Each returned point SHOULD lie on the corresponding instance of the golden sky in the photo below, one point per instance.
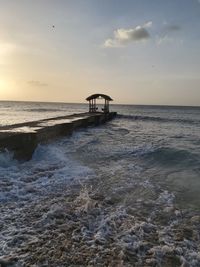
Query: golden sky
(136, 51)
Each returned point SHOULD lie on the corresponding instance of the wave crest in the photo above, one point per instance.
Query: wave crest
(156, 119)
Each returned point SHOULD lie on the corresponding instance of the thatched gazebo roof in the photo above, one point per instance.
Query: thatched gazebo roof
(95, 96)
(92, 102)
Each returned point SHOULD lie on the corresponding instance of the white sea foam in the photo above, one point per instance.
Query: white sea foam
(6, 159)
(49, 169)
(110, 186)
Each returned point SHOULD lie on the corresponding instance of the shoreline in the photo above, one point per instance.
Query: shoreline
(86, 227)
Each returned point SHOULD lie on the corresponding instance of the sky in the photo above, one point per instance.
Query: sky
(136, 51)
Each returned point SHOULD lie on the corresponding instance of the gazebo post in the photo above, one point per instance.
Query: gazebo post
(92, 102)
(105, 106)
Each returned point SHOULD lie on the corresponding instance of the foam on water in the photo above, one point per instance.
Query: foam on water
(6, 159)
(108, 196)
(49, 169)
(158, 119)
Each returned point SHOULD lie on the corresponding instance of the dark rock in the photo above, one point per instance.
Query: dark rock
(8, 262)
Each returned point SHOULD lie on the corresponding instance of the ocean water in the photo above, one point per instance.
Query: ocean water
(126, 193)
(12, 112)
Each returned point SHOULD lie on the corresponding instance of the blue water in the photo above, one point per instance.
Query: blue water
(146, 163)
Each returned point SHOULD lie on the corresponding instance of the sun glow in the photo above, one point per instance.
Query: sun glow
(6, 48)
(3, 85)
(5, 89)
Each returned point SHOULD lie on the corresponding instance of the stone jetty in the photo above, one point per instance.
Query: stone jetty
(23, 138)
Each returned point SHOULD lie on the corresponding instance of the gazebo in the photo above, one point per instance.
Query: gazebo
(92, 102)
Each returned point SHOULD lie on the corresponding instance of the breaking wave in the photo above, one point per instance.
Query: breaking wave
(106, 196)
(157, 119)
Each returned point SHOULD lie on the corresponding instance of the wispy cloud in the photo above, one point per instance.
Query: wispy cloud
(173, 27)
(164, 39)
(37, 83)
(123, 36)
(168, 35)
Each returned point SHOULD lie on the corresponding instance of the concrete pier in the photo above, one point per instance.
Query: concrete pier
(23, 138)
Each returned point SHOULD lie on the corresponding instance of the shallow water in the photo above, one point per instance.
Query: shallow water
(125, 194)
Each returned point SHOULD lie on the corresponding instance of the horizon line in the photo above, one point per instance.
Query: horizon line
(85, 103)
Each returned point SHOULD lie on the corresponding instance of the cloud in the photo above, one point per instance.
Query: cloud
(173, 27)
(123, 36)
(167, 40)
(37, 83)
(149, 24)
(168, 35)
(163, 40)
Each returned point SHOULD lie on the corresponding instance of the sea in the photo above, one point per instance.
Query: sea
(126, 193)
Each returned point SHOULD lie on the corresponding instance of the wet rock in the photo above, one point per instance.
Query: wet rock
(97, 197)
(172, 260)
(100, 241)
(177, 212)
(187, 233)
(151, 262)
(8, 262)
(195, 219)
(184, 262)
(196, 235)
(167, 249)
(169, 209)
